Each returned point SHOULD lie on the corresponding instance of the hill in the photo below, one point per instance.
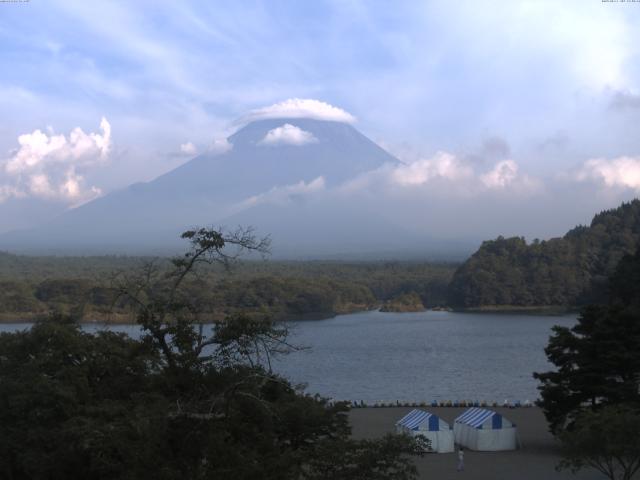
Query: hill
(567, 271)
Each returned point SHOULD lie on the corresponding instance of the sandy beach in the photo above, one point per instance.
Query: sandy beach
(536, 460)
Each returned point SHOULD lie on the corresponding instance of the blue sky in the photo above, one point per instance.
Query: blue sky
(550, 85)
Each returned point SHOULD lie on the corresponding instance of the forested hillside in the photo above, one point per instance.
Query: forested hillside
(83, 286)
(567, 271)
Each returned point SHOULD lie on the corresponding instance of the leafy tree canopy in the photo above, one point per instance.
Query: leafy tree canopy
(568, 271)
(607, 440)
(179, 403)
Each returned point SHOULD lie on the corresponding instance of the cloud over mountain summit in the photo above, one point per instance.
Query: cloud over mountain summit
(288, 134)
(300, 108)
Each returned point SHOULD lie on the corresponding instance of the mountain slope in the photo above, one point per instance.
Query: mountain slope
(211, 188)
(568, 271)
(338, 153)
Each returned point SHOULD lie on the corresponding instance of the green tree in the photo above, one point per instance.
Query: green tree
(607, 440)
(567, 271)
(598, 359)
(598, 363)
(184, 402)
(75, 405)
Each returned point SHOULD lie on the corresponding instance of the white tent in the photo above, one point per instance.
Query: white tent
(484, 430)
(433, 428)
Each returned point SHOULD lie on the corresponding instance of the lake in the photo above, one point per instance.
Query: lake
(376, 356)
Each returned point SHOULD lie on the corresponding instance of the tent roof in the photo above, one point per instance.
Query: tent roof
(414, 418)
(475, 417)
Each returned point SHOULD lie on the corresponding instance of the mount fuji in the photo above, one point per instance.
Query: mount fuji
(266, 178)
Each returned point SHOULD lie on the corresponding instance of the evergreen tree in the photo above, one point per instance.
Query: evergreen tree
(597, 360)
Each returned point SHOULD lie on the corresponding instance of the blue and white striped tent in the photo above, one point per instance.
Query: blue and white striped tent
(430, 426)
(420, 420)
(486, 430)
(477, 417)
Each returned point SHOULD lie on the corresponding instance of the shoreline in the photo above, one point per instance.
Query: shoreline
(128, 319)
(550, 310)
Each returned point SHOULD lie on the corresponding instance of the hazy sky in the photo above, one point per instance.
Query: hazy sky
(535, 96)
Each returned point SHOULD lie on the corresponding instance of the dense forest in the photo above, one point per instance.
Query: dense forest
(568, 271)
(83, 286)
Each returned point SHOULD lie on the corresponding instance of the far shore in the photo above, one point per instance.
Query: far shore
(129, 319)
(551, 310)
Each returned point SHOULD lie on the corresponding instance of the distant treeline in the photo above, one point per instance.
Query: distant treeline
(83, 286)
(568, 271)
(507, 272)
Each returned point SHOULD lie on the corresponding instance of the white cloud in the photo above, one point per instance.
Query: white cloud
(441, 169)
(38, 148)
(72, 188)
(39, 185)
(501, 176)
(283, 195)
(46, 165)
(188, 148)
(220, 146)
(300, 108)
(445, 175)
(505, 175)
(589, 44)
(443, 165)
(594, 40)
(618, 172)
(288, 134)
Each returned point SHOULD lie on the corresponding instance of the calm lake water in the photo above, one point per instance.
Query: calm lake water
(375, 356)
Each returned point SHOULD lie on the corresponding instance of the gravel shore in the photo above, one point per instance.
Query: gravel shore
(536, 460)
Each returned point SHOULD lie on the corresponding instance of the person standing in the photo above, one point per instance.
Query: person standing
(460, 460)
